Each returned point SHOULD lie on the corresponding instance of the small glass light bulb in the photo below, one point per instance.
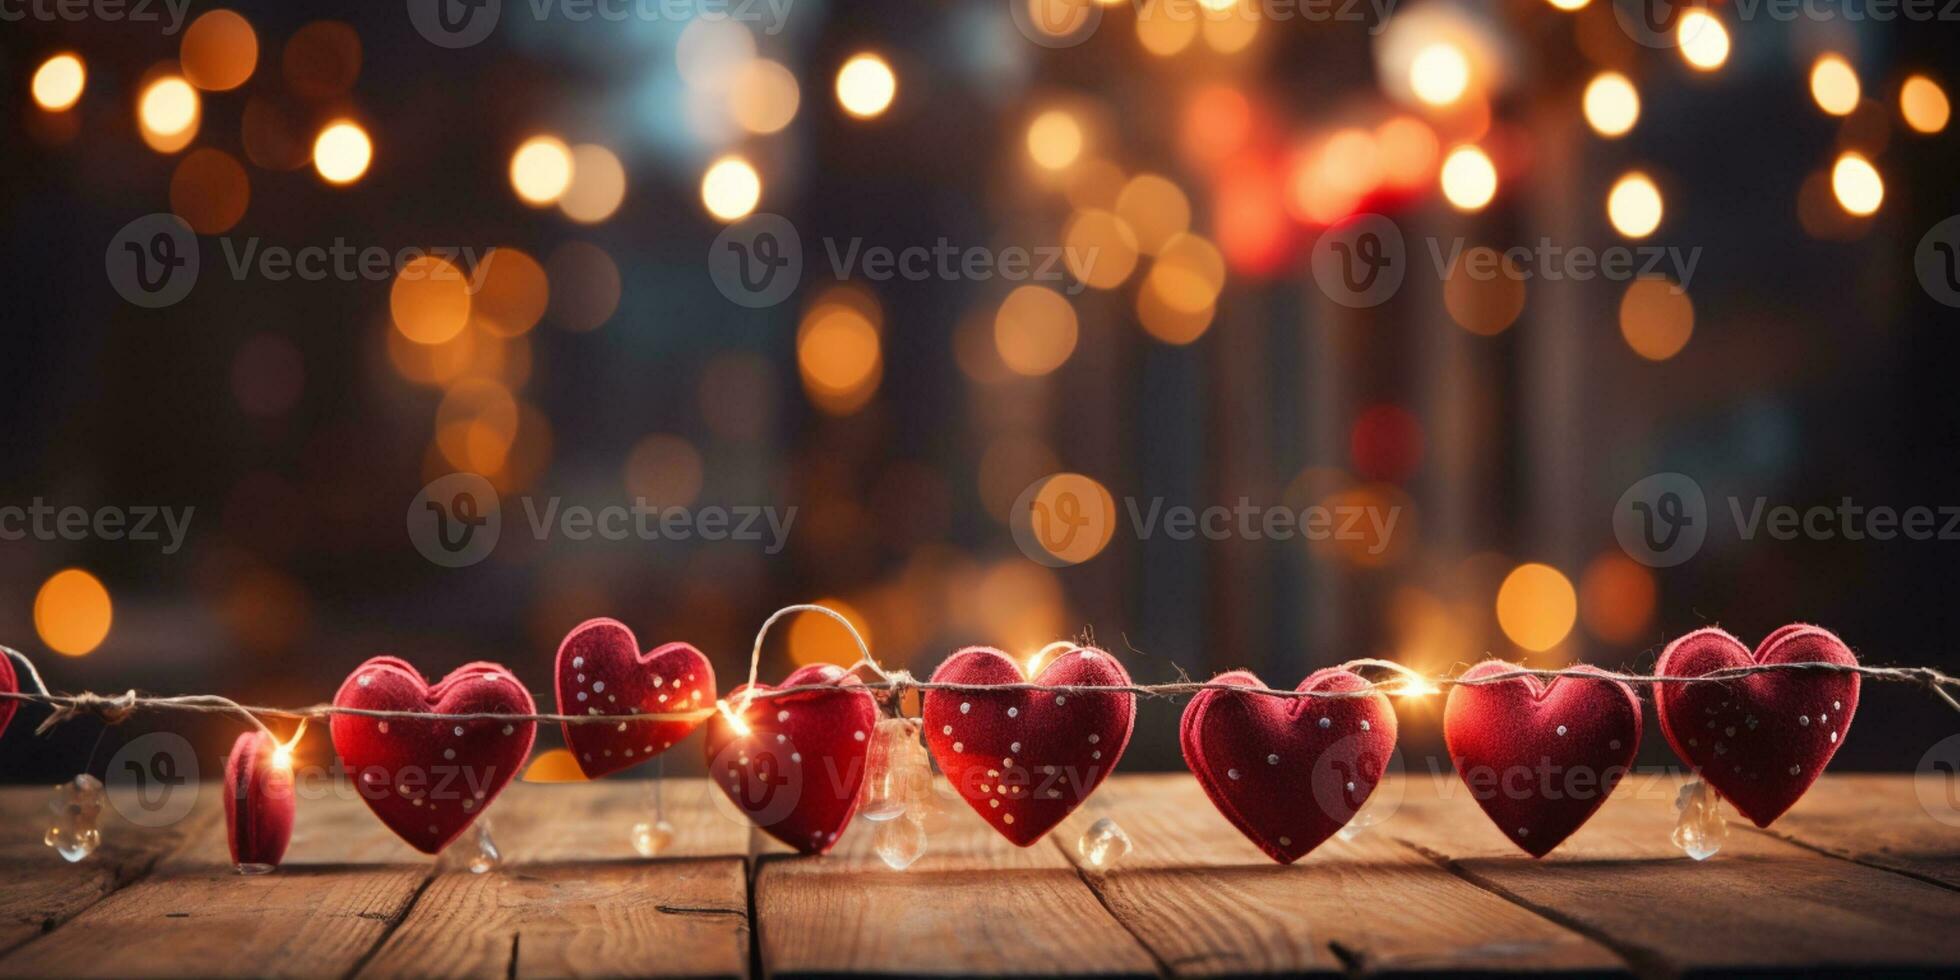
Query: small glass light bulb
(77, 809)
(1103, 844)
(1702, 828)
(900, 842)
(484, 856)
(651, 838)
(890, 770)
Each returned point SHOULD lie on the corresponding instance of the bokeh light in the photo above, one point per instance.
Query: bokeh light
(1440, 74)
(1099, 248)
(72, 612)
(219, 51)
(585, 286)
(342, 152)
(1634, 205)
(866, 86)
(1612, 104)
(1834, 85)
(1923, 104)
(1656, 318)
(510, 292)
(815, 638)
(1536, 607)
(1034, 330)
(1616, 598)
(731, 188)
(168, 113)
(541, 170)
(1054, 139)
(476, 424)
(598, 185)
(1189, 274)
(664, 469)
(763, 96)
(58, 83)
(209, 190)
(1469, 178)
(322, 60)
(1155, 209)
(1856, 183)
(430, 300)
(838, 353)
(1386, 443)
(1071, 517)
(1485, 291)
(1702, 38)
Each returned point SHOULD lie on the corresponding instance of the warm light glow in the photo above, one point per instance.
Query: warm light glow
(58, 82)
(1440, 74)
(866, 86)
(219, 51)
(839, 355)
(1155, 209)
(731, 188)
(1857, 184)
(763, 96)
(1034, 330)
(541, 170)
(1834, 85)
(342, 152)
(168, 114)
(1536, 607)
(1612, 104)
(1054, 139)
(598, 185)
(1703, 40)
(430, 300)
(282, 757)
(1569, 4)
(1099, 248)
(1656, 318)
(734, 720)
(1469, 178)
(72, 612)
(1415, 687)
(1634, 205)
(1923, 104)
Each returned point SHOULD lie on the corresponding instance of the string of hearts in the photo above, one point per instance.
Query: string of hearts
(1288, 768)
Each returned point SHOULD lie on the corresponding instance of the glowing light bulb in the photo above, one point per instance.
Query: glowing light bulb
(1103, 844)
(1924, 104)
(1612, 104)
(1440, 74)
(731, 188)
(1704, 42)
(734, 719)
(866, 86)
(341, 153)
(1469, 178)
(1634, 205)
(282, 757)
(58, 82)
(1834, 85)
(1859, 188)
(1701, 829)
(541, 170)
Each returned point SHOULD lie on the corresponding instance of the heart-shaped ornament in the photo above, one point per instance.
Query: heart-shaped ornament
(1026, 758)
(9, 684)
(794, 764)
(601, 671)
(1288, 772)
(429, 778)
(1540, 757)
(259, 802)
(1760, 739)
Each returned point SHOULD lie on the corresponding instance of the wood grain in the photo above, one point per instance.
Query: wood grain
(974, 905)
(1761, 904)
(575, 899)
(1908, 824)
(1209, 903)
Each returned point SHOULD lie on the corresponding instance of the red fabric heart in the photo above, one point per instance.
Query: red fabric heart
(797, 769)
(1540, 758)
(1288, 772)
(601, 671)
(259, 801)
(1024, 759)
(1761, 739)
(8, 684)
(428, 778)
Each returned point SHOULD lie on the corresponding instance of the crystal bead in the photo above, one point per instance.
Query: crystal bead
(477, 851)
(249, 869)
(1103, 844)
(76, 807)
(1701, 829)
(900, 842)
(892, 768)
(652, 838)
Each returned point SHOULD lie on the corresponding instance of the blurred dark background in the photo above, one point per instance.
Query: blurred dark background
(1502, 418)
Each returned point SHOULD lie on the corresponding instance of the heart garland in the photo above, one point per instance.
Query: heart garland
(1025, 759)
(794, 764)
(1761, 739)
(601, 671)
(1288, 772)
(10, 684)
(428, 778)
(259, 802)
(1540, 758)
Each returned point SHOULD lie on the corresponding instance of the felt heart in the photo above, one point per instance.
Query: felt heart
(258, 802)
(1760, 739)
(9, 684)
(1540, 758)
(428, 778)
(1288, 772)
(601, 671)
(793, 764)
(1025, 758)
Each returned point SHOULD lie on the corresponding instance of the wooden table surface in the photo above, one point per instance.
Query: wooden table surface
(1857, 877)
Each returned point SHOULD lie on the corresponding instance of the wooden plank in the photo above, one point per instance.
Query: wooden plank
(345, 879)
(39, 890)
(974, 904)
(1207, 902)
(1901, 823)
(1761, 904)
(573, 898)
